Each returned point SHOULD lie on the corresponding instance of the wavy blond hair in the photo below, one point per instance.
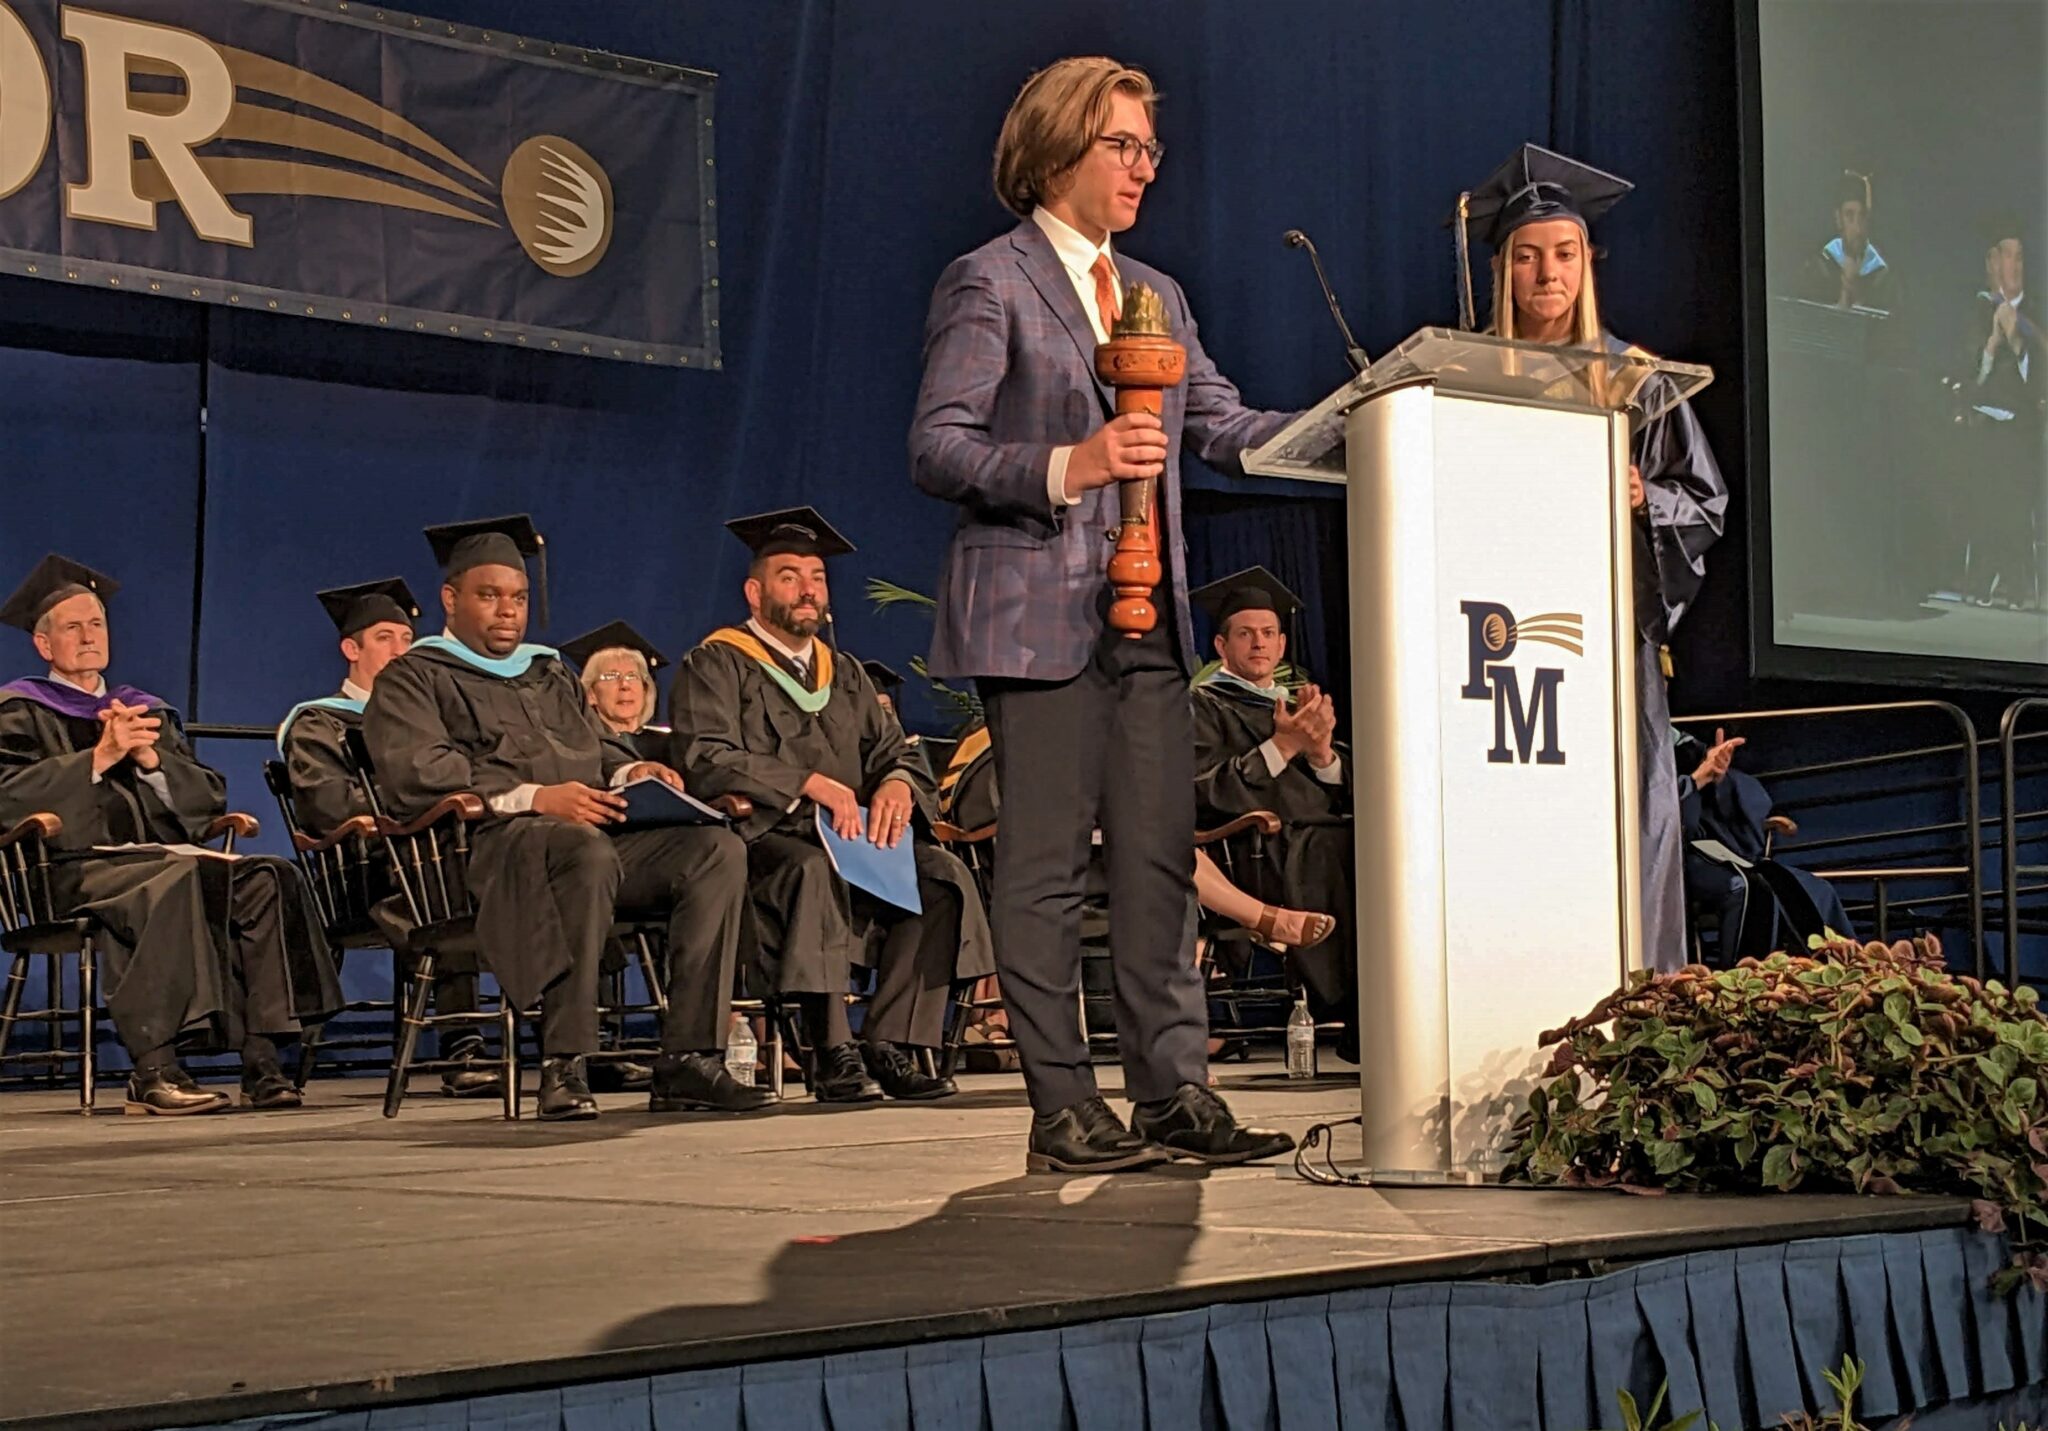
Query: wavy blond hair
(1058, 114)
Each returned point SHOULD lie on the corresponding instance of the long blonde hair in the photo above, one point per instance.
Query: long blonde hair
(1058, 114)
(1586, 329)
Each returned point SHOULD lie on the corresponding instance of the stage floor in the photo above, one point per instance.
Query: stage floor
(164, 1271)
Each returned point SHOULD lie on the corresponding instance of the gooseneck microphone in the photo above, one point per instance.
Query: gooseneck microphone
(1295, 238)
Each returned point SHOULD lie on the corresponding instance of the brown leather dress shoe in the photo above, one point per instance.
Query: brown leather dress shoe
(170, 1093)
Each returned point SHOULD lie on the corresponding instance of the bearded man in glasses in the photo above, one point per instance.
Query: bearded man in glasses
(1089, 730)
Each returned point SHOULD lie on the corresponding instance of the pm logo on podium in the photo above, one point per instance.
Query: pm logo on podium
(1492, 637)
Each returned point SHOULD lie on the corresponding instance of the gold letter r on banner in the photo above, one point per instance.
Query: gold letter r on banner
(113, 123)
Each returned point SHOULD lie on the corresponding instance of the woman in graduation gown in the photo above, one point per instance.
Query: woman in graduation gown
(770, 711)
(616, 665)
(194, 951)
(1535, 210)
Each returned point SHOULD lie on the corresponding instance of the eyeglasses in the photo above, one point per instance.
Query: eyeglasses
(607, 676)
(1128, 147)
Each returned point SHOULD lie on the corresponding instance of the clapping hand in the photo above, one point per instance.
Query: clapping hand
(1307, 723)
(1719, 758)
(126, 733)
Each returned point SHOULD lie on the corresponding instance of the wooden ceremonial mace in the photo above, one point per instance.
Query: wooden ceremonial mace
(1140, 361)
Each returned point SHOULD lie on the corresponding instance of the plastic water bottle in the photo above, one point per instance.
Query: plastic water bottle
(741, 1049)
(1301, 1040)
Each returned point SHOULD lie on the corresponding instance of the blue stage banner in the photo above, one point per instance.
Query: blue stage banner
(333, 159)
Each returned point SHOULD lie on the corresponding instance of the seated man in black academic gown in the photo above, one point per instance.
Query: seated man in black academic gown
(1259, 748)
(1847, 271)
(616, 665)
(2003, 381)
(1760, 905)
(770, 711)
(193, 950)
(476, 709)
(375, 623)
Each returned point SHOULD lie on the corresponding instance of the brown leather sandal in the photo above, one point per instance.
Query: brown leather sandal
(1320, 927)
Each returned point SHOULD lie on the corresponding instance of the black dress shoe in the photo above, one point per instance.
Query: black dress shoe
(477, 1076)
(620, 1075)
(265, 1086)
(170, 1093)
(900, 1077)
(839, 1076)
(1196, 1124)
(688, 1081)
(1087, 1138)
(563, 1093)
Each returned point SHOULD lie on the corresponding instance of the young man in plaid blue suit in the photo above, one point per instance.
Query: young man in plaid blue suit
(1090, 730)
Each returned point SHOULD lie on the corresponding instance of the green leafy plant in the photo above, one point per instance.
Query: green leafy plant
(1864, 1067)
(1844, 1383)
(963, 706)
(1634, 1420)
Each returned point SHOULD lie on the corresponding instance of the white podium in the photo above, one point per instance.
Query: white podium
(1492, 716)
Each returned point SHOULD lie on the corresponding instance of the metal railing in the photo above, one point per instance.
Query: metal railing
(1882, 876)
(2012, 870)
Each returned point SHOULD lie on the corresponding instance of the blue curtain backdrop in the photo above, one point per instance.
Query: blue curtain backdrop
(853, 155)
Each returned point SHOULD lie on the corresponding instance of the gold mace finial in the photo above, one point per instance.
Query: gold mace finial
(1144, 315)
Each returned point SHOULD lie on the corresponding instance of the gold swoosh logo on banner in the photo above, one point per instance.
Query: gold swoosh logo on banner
(314, 136)
(1554, 628)
(288, 176)
(267, 76)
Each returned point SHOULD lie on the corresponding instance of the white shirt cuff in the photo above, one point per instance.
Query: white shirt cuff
(1331, 774)
(1056, 479)
(1275, 761)
(619, 775)
(516, 801)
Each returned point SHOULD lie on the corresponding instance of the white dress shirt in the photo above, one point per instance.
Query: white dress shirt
(1077, 256)
(353, 691)
(154, 779)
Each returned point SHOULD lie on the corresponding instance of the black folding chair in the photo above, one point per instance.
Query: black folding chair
(31, 925)
(344, 870)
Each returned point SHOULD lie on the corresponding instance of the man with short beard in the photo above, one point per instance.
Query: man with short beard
(770, 711)
(477, 709)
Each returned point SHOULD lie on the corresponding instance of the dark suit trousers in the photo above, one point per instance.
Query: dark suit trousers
(695, 876)
(1112, 747)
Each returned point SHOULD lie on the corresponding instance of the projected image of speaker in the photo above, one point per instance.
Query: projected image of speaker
(1897, 186)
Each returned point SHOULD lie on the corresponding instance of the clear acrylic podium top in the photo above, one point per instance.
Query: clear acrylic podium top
(1479, 365)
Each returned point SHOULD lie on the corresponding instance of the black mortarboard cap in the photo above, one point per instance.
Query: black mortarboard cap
(612, 636)
(1536, 185)
(799, 531)
(54, 579)
(884, 678)
(1253, 589)
(2001, 224)
(357, 608)
(493, 541)
(1853, 186)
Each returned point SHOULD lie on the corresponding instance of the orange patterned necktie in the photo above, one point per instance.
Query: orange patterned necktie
(1106, 306)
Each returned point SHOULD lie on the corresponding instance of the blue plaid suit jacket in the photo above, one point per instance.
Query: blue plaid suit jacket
(1009, 374)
